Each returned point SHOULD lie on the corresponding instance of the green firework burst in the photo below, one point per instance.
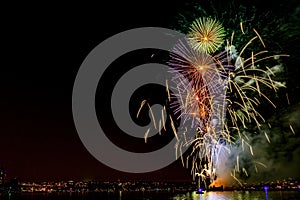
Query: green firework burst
(206, 35)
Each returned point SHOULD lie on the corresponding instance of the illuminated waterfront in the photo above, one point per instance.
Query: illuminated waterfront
(233, 195)
(80, 190)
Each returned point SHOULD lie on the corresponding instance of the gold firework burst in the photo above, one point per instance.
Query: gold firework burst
(206, 35)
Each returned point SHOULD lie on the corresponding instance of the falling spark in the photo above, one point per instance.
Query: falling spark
(292, 129)
(159, 127)
(251, 150)
(245, 171)
(248, 43)
(231, 39)
(252, 59)
(163, 118)
(152, 115)
(182, 161)
(242, 29)
(173, 127)
(259, 38)
(267, 137)
(168, 91)
(146, 135)
(235, 178)
(260, 163)
(269, 125)
(256, 170)
(142, 104)
(176, 149)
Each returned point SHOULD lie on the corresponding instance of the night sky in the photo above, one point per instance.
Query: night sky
(42, 49)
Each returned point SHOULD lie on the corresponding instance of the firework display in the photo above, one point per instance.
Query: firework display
(219, 89)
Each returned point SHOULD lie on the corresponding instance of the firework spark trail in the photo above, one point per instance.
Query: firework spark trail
(267, 137)
(152, 115)
(173, 127)
(259, 38)
(260, 163)
(163, 118)
(159, 127)
(242, 28)
(142, 105)
(291, 127)
(245, 171)
(168, 91)
(146, 135)
(235, 178)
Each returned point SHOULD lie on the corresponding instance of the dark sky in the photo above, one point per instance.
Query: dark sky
(43, 47)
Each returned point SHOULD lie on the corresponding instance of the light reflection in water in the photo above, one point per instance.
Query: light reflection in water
(267, 196)
(233, 195)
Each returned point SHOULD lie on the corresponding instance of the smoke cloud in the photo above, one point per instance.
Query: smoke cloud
(275, 148)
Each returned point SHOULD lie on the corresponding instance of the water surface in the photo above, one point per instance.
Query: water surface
(226, 195)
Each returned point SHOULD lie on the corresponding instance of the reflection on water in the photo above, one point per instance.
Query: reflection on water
(226, 195)
(240, 195)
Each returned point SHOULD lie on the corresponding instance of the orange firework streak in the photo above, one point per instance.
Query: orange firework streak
(202, 95)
